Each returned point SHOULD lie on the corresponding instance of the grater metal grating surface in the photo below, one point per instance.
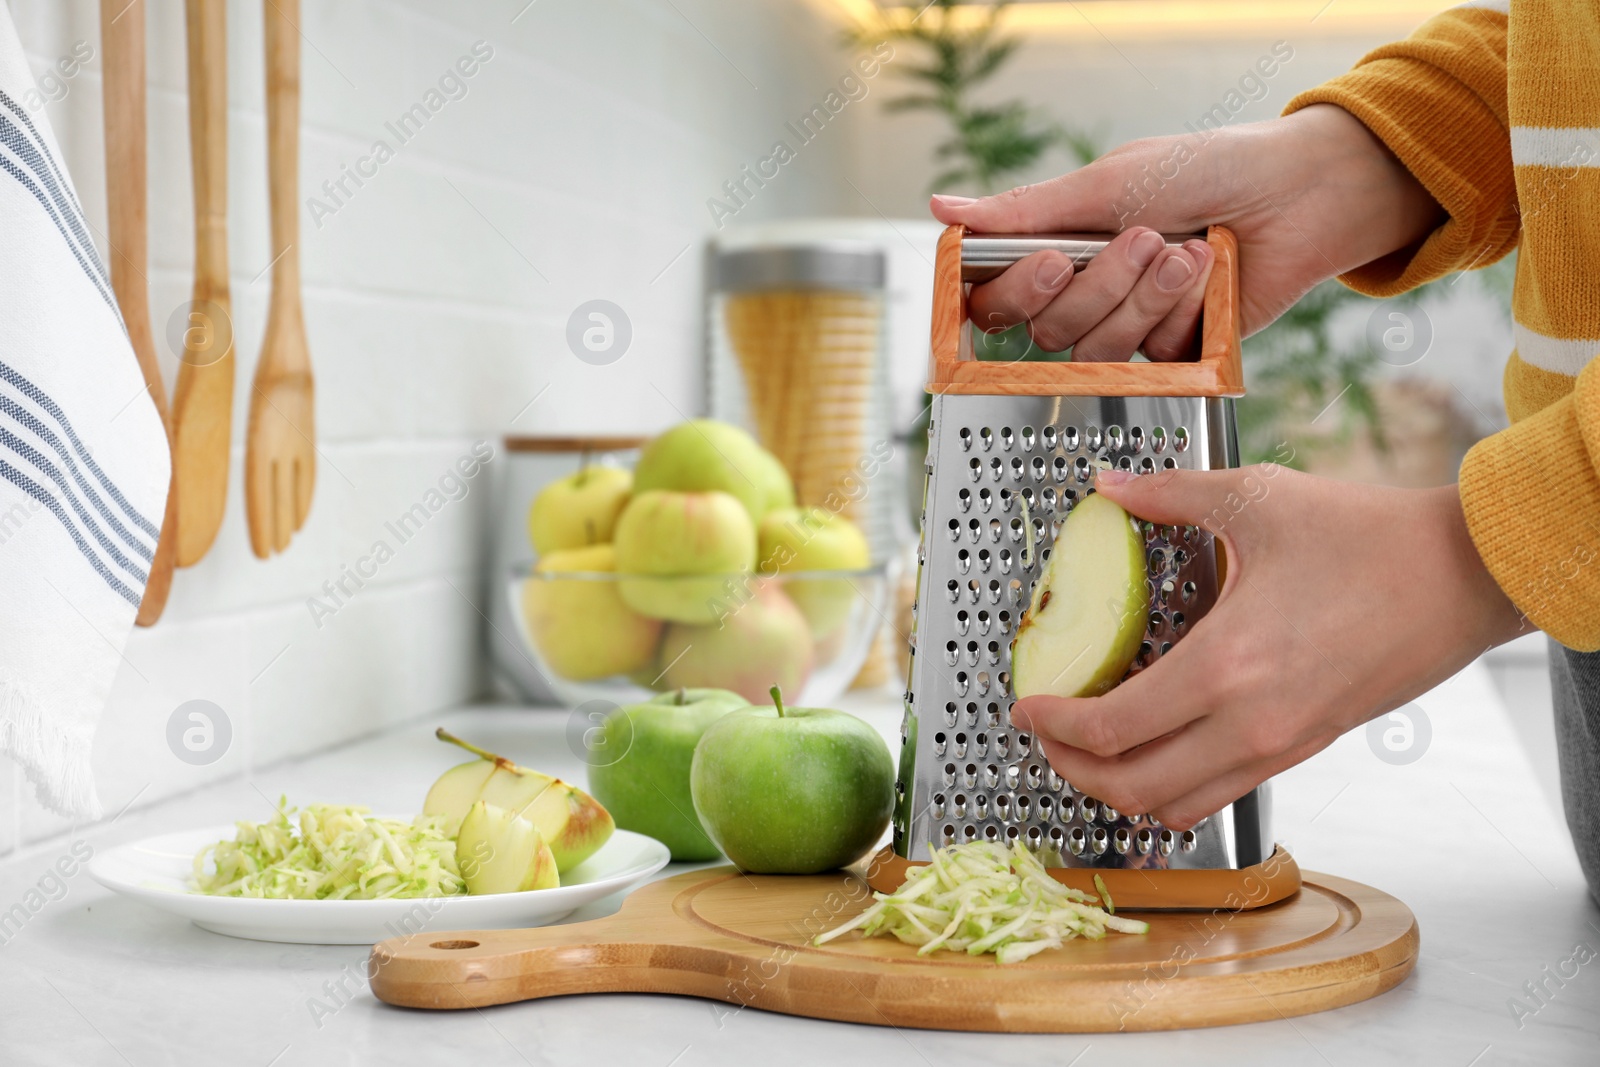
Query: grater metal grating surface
(965, 773)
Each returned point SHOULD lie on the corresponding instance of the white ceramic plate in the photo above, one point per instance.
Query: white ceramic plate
(157, 872)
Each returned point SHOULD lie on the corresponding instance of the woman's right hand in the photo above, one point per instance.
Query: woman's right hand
(1309, 196)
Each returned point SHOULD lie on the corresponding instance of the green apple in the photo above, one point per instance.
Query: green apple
(706, 455)
(580, 625)
(578, 510)
(792, 790)
(499, 852)
(762, 640)
(573, 824)
(646, 789)
(1087, 618)
(794, 540)
(666, 539)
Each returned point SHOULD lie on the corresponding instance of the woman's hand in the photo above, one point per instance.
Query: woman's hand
(1341, 602)
(1308, 196)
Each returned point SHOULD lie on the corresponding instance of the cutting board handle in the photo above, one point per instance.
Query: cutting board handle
(1218, 372)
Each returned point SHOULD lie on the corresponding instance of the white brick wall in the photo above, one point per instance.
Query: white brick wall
(586, 147)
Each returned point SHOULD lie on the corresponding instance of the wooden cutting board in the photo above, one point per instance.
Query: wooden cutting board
(745, 939)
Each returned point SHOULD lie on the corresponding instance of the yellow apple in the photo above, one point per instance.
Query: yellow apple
(797, 540)
(666, 541)
(578, 510)
(706, 455)
(580, 624)
(762, 642)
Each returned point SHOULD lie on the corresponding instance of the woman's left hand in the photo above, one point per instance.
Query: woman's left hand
(1341, 602)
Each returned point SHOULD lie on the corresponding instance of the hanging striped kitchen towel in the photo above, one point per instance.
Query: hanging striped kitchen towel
(83, 461)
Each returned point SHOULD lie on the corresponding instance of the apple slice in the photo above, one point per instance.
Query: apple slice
(571, 821)
(1089, 609)
(498, 852)
(574, 823)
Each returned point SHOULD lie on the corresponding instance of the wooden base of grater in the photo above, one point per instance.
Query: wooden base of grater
(1273, 879)
(746, 940)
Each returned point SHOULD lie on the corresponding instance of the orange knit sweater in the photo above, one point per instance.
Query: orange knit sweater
(1498, 115)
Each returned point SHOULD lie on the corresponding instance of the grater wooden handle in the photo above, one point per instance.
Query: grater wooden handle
(1218, 371)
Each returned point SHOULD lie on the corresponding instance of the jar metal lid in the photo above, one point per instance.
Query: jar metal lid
(826, 265)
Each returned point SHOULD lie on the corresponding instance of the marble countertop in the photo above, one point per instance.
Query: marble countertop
(1464, 835)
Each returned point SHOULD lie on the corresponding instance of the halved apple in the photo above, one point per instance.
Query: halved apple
(1089, 609)
(500, 852)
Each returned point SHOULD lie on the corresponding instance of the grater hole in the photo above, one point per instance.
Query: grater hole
(972, 713)
(960, 749)
(986, 438)
(1016, 468)
(1168, 588)
(1027, 438)
(963, 620)
(974, 590)
(1059, 467)
(1080, 469)
(1092, 439)
(950, 653)
(966, 439)
(1169, 464)
(994, 590)
(984, 559)
(1076, 841)
(981, 743)
(1189, 591)
(1136, 438)
(1178, 621)
(1035, 838)
(1099, 841)
(1158, 622)
(1027, 497)
(1166, 646)
(1048, 495)
(1023, 807)
(938, 744)
(1067, 809)
(1165, 843)
(1005, 628)
(983, 682)
(965, 496)
(996, 468)
(955, 529)
(1005, 561)
(1002, 808)
(1005, 678)
(1034, 777)
(970, 832)
(985, 499)
(991, 833)
(1048, 437)
(1007, 439)
(1069, 439)
(949, 834)
(1012, 833)
(963, 561)
(994, 530)
(950, 712)
(1038, 467)
(1114, 438)
(994, 709)
(1158, 439)
(1144, 840)
(961, 679)
(1147, 465)
(993, 650)
(1016, 531)
(983, 622)
(1046, 805)
(972, 654)
(1122, 841)
(1016, 592)
(1180, 439)
(1188, 841)
(960, 808)
(949, 774)
(975, 468)
(1088, 810)
(1125, 463)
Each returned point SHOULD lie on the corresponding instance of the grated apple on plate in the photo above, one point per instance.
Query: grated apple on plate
(983, 897)
(340, 853)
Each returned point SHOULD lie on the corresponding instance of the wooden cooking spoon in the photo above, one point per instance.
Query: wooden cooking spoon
(122, 41)
(280, 462)
(203, 401)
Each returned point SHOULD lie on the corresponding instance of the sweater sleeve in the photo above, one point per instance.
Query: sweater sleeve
(1438, 101)
(1531, 496)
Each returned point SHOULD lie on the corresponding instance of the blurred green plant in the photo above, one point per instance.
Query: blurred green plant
(988, 143)
(1315, 354)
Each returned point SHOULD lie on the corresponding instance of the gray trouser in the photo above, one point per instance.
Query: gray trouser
(1575, 684)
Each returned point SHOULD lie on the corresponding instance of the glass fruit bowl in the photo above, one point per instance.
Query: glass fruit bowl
(605, 636)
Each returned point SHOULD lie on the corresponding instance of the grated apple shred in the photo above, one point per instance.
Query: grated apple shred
(983, 897)
(340, 853)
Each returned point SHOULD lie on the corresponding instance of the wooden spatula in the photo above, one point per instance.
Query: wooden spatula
(122, 41)
(203, 401)
(280, 462)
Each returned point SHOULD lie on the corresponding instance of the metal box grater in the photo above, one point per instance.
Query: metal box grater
(1007, 434)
